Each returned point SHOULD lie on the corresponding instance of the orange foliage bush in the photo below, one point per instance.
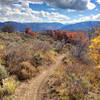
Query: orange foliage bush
(69, 36)
(28, 28)
(53, 34)
(29, 32)
(32, 33)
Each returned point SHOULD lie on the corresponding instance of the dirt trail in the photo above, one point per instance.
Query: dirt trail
(30, 90)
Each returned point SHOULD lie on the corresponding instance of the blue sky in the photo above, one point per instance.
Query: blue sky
(62, 11)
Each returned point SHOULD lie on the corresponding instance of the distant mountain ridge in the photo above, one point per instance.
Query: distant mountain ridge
(34, 26)
(84, 26)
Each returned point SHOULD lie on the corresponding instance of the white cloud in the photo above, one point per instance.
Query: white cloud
(90, 5)
(23, 13)
(11, 11)
(80, 15)
(19, 13)
(71, 4)
(51, 9)
(70, 10)
(63, 4)
(96, 9)
(98, 1)
(86, 18)
(57, 17)
(96, 17)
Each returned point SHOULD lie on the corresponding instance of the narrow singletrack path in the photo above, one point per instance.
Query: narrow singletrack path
(30, 90)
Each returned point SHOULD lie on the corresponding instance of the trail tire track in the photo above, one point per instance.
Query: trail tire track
(30, 90)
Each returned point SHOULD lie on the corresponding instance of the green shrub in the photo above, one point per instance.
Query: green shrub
(9, 86)
(24, 75)
(1, 92)
(67, 60)
(27, 70)
(7, 98)
(3, 72)
(38, 59)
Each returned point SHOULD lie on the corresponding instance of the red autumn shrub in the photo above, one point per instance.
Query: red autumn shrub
(69, 34)
(81, 35)
(29, 32)
(32, 33)
(28, 28)
(85, 40)
(60, 34)
(53, 34)
(74, 35)
(69, 37)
